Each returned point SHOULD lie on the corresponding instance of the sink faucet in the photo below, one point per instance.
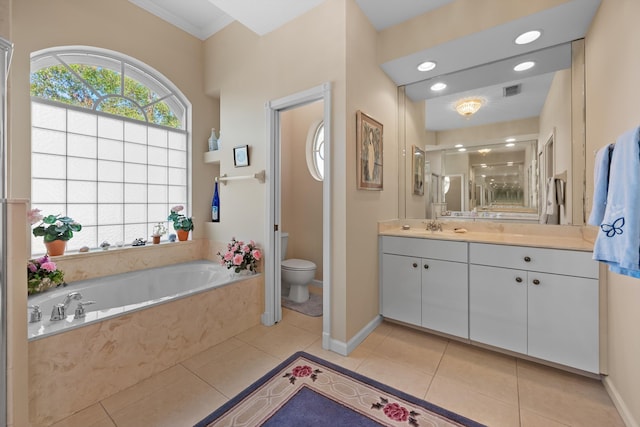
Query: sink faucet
(59, 311)
(434, 225)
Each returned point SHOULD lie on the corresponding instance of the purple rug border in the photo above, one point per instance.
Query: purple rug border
(390, 390)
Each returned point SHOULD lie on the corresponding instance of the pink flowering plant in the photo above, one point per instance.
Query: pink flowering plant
(53, 227)
(42, 274)
(241, 256)
(180, 221)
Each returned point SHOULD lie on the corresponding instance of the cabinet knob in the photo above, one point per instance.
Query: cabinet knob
(536, 281)
(415, 265)
(527, 259)
(426, 266)
(519, 279)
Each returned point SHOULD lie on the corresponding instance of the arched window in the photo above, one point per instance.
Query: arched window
(315, 151)
(109, 144)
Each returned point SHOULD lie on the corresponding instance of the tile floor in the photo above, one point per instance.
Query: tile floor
(491, 388)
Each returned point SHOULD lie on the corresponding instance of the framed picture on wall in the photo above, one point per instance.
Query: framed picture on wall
(368, 152)
(241, 156)
(418, 159)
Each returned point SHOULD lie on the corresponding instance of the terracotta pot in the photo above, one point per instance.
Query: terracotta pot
(156, 240)
(183, 235)
(56, 247)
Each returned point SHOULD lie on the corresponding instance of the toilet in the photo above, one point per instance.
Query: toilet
(296, 274)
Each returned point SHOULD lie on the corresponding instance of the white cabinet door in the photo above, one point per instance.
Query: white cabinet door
(498, 307)
(445, 297)
(401, 288)
(563, 320)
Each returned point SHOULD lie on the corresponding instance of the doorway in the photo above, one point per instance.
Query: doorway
(273, 308)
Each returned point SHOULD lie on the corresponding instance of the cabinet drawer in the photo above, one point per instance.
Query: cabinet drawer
(425, 248)
(557, 261)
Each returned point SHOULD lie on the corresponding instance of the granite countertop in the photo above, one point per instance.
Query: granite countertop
(570, 237)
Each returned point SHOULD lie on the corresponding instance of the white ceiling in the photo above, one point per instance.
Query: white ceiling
(457, 60)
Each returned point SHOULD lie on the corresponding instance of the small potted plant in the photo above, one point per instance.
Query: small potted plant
(42, 274)
(56, 229)
(181, 223)
(241, 257)
(158, 231)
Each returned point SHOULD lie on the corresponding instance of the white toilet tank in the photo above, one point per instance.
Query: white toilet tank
(284, 237)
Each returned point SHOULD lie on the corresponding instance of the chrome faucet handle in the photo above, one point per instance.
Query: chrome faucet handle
(36, 314)
(80, 311)
(58, 312)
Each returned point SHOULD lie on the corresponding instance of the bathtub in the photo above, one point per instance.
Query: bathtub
(143, 323)
(123, 293)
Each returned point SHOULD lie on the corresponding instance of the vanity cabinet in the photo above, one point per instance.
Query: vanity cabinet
(424, 282)
(539, 302)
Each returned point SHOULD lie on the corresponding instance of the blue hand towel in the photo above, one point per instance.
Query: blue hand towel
(618, 241)
(600, 184)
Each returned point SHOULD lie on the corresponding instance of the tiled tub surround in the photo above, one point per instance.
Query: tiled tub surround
(72, 370)
(119, 294)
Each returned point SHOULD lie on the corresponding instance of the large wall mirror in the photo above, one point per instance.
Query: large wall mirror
(497, 162)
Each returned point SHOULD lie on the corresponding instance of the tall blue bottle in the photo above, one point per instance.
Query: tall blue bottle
(215, 204)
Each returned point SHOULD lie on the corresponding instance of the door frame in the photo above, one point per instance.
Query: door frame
(273, 308)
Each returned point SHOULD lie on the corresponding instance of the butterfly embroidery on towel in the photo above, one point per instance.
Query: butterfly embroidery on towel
(612, 229)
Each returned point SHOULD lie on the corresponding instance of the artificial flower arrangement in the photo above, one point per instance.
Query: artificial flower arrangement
(53, 227)
(241, 256)
(42, 274)
(180, 222)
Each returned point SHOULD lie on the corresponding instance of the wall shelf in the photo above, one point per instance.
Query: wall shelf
(212, 156)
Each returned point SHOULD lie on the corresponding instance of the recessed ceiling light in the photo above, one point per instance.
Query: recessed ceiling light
(528, 37)
(458, 145)
(462, 149)
(427, 66)
(484, 176)
(438, 86)
(482, 165)
(511, 144)
(510, 140)
(509, 163)
(523, 66)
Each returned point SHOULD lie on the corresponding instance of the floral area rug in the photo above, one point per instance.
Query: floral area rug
(305, 390)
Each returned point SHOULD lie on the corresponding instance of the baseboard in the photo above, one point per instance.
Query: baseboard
(619, 403)
(344, 349)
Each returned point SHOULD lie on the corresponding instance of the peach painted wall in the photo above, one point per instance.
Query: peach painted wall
(613, 88)
(556, 116)
(371, 91)
(301, 193)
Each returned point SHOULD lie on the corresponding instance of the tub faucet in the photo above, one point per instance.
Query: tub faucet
(59, 311)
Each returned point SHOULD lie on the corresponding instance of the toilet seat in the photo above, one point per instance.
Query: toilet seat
(294, 264)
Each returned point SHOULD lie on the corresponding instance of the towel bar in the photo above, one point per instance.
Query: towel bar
(260, 176)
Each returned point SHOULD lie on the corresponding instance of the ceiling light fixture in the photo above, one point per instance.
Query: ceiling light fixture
(462, 149)
(484, 150)
(468, 106)
(528, 37)
(510, 140)
(426, 66)
(439, 86)
(511, 144)
(523, 66)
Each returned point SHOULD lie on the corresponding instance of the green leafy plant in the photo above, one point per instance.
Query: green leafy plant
(53, 227)
(180, 222)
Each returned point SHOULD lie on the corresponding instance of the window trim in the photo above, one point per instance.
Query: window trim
(311, 150)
